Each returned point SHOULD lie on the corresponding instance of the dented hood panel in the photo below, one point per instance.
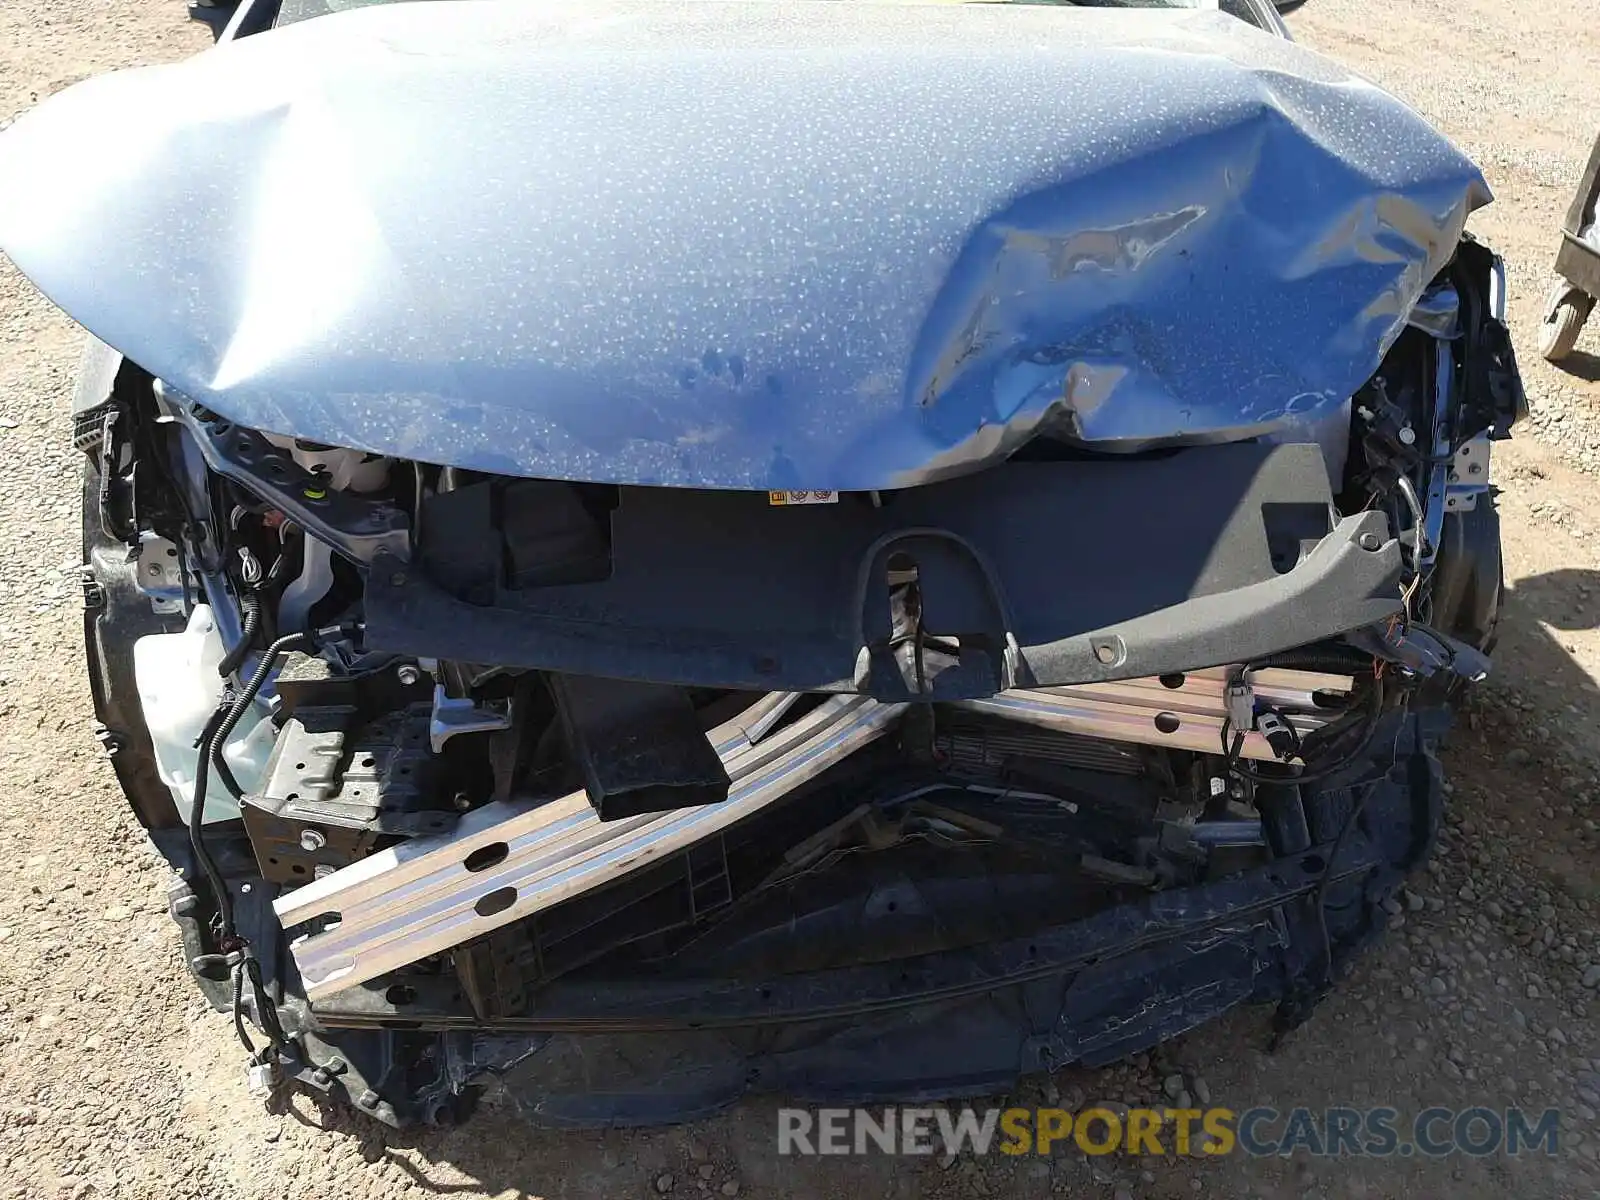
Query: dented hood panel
(801, 245)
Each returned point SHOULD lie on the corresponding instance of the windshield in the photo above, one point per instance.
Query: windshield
(291, 11)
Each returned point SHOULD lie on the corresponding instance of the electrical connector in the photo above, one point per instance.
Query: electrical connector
(261, 1078)
(1280, 735)
(1240, 703)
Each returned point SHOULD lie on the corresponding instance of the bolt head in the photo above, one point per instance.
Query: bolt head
(311, 840)
(1370, 541)
(408, 674)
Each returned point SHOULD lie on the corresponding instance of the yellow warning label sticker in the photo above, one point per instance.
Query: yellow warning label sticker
(784, 499)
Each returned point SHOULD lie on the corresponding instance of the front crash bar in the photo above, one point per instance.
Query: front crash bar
(511, 859)
(1179, 712)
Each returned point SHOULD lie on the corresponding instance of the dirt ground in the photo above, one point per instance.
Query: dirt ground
(115, 1081)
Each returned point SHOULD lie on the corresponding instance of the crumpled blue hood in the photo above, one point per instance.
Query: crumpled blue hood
(747, 245)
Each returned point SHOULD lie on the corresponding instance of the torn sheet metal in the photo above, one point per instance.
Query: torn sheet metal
(749, 245)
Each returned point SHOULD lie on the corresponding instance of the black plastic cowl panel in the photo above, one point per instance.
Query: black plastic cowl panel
(1044, 573)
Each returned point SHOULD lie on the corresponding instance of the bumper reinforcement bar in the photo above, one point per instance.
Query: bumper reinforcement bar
(509, 860)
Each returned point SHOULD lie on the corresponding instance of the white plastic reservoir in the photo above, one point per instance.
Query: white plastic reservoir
(179, 688)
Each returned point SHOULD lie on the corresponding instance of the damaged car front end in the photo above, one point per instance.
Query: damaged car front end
(638, 551)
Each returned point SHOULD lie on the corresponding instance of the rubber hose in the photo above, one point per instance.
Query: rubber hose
(250, 602)
(213, 748)
(1334, 662)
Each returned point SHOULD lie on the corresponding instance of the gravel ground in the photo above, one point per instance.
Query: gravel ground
(114, 1080)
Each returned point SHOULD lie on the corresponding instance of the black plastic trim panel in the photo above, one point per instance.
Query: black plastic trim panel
(1047, 573)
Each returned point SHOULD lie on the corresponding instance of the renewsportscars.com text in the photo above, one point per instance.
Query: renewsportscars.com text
(1262, 1132)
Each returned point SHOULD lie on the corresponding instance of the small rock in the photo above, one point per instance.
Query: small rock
(1172, 1085)
(1437, 986)
(1415, 902)
(664, 1182)
(274, 1133)
(1122, 1194)
(1591, 977)
(707, 1171)
(1518, 757)
(731, 1188)
(1202, 1090)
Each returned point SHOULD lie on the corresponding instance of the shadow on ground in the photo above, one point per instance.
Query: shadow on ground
(1582, 364)
(1534, 656)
